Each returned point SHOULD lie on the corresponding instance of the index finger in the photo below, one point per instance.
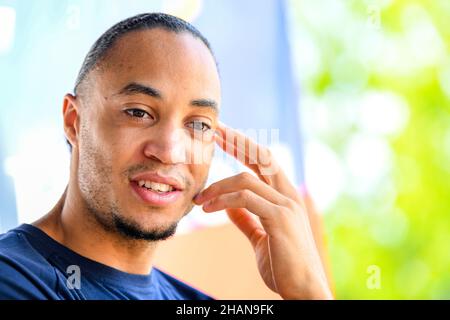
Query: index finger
(253, 155)
(256, 157)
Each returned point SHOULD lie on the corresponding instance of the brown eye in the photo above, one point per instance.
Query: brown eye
(199, 126)
(138, 113)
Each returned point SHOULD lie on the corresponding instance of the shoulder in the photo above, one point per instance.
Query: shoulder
(177, 289)
(22, 270)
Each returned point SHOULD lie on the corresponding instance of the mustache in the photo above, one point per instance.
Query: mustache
(154, 167)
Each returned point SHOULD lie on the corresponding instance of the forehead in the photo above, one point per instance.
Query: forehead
(163, 59)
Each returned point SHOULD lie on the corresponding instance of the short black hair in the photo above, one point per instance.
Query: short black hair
(138, 22)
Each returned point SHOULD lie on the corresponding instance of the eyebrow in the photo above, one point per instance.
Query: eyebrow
(208, 103)
(137, 88)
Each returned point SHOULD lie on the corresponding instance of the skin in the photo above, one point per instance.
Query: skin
(267, 208)
(111, 143)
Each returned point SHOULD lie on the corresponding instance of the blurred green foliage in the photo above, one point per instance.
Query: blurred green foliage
(347, 51)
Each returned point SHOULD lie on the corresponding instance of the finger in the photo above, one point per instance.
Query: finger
(279, 181)
(247, 223)
(243, 148)
(242, 181)
(249, 200)
(231, 142)
(256, 157)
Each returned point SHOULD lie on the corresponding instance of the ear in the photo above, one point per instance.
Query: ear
(71, 119)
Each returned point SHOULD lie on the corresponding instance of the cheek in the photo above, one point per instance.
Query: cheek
(95, 175)
(201, 157)
(118, 144)
(103, 157)
(200, 152)
(208, 153)
(200, 175)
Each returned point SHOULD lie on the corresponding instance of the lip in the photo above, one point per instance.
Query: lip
(154, 198)
(155, 177)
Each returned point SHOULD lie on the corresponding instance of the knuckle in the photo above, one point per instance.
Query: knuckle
(290, 204)
(245, 177)
(283, 212)
(265, 153)
(243, 196)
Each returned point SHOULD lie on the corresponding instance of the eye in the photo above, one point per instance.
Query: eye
(199, 126)
(138, 113)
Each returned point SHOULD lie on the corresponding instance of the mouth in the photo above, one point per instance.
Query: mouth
(156, 190)
(155, 186)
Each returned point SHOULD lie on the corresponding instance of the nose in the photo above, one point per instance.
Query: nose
(167, 144)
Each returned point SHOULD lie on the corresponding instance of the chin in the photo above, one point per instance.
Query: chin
(149, 228)
(158, 216)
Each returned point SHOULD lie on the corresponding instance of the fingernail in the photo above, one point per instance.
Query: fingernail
(197, 199)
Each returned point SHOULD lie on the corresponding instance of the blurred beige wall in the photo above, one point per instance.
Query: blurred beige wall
(217, 260)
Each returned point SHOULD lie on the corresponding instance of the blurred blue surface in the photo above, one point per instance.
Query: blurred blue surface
(51, 38)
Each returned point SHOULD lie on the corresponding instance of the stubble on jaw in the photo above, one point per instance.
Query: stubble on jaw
(95, 176)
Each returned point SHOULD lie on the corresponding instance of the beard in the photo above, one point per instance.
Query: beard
(105, 212)
(132, 230)
(95, 180)
(113, 221)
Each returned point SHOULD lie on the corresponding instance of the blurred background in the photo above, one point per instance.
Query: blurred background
(357, 94)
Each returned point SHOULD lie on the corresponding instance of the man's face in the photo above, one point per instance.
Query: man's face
(147, 115)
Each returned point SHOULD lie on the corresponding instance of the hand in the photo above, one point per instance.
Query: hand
(270, 212)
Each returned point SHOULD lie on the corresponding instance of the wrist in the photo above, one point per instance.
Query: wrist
(313, 291)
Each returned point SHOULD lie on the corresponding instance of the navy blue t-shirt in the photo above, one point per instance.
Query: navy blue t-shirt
(34, 266)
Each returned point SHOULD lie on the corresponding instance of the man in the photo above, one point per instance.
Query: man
(147, 95)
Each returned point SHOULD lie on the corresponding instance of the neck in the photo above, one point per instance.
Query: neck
(70, 224)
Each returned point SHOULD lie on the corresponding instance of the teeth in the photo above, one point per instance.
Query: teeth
(160, 187)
